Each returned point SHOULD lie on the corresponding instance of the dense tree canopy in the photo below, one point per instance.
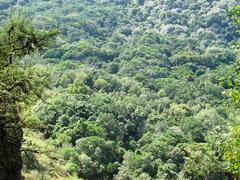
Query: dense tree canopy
(138, 89)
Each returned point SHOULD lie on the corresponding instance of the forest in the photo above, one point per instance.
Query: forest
(130, 89)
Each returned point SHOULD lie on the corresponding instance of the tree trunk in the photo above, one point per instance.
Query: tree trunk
(11, 135)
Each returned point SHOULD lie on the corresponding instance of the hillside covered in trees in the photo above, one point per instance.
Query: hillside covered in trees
(135, 90)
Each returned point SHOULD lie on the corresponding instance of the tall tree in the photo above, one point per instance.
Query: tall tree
(18, 40)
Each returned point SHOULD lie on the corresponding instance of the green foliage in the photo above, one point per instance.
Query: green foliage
(18, 85)
(201, 162)
(232, 152)
(18, 39)
(135, 87)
